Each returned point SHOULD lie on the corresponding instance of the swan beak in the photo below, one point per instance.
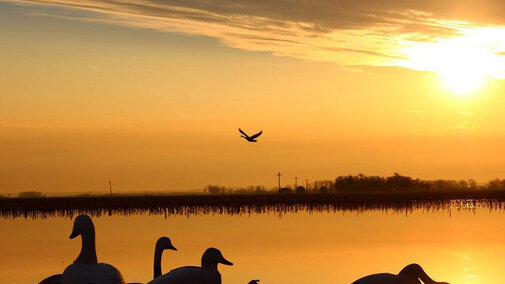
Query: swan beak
(225, 262)
(173, 248)
(73, 235)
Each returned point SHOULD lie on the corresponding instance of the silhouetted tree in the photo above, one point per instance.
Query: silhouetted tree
(284, 190)
(260, 189)
(496, 184)
(31, 194)
(300, 189)
(472, 184)
(214, 189)
(397, 182)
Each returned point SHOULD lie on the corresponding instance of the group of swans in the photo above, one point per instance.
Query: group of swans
(86, 269)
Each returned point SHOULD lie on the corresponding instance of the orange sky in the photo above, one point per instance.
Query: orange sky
(151, 95)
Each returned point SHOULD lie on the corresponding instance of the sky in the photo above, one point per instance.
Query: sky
(149, 94)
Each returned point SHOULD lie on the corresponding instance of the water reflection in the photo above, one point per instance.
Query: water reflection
(186, 207)
(298, 248)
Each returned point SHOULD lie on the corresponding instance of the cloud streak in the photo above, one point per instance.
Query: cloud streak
(358, 32)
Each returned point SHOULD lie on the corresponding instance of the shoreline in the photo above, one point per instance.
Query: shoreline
(192, 204)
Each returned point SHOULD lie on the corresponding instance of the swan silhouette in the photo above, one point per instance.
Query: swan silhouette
(86, 268)
(206, 274)
(250, 138)
(162, 244)
(410, 274)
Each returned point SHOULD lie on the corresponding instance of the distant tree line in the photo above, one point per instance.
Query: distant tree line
(361, 183)
(217, 189)
(30, 194)
(397, 182)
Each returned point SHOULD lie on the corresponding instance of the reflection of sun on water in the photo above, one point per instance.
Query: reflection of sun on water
(465, 62)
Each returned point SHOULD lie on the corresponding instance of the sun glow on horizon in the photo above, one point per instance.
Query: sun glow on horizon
(464, 63)
(463, 81)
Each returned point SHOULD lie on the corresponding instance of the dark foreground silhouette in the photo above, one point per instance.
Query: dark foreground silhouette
(206, 273)
(86, 269)
(250, 138)
(162, 244)
(410, 274)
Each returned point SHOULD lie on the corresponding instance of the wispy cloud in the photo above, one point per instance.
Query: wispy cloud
(415, 111)
(358, 32)
(466, 124)
(466, 113)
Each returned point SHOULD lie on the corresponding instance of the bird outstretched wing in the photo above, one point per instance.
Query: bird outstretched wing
(257, 134)
(243, 132)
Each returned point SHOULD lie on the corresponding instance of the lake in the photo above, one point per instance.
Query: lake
(459, 245)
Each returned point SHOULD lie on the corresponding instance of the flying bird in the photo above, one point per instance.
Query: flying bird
(250, 138)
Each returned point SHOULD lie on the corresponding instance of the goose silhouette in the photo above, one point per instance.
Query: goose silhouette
(410, 274)
(86, 268)
(250, 138)
(207, 273)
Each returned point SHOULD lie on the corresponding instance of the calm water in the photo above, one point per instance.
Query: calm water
(460, 246)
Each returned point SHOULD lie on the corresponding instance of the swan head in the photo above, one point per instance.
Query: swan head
(164, 243)
(212, 257)
(82, 226)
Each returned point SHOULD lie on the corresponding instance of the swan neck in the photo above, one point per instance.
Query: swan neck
(158, 252)
(426, 279)
(88, 249)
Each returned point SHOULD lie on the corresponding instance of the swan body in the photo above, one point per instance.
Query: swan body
(250, 138)
(86, 268)
(54, 279)
(207, 273)
(410, 274)
(82, 273)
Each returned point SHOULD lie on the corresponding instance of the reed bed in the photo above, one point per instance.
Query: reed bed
(240, 204)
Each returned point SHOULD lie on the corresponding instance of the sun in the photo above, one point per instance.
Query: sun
(463, 67)
(463, 82)
(464, 63)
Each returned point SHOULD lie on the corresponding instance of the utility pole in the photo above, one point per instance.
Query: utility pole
(110, 187)
(307, 184)
(279, 179)
(296, 182)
